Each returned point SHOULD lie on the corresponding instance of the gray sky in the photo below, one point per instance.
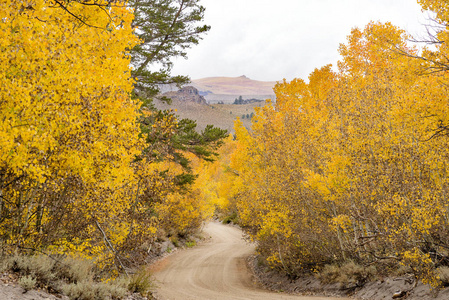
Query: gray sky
(274, 39)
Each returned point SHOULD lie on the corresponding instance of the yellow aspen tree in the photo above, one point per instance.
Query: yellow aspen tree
(68, 131)
(342, 167)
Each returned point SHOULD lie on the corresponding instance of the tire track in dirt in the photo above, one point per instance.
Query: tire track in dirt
(213, 270)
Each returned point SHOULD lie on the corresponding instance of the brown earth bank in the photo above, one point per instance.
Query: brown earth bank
(387, 288)
(12, 291)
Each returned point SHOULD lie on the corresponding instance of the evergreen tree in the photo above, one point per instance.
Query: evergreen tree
(167, 28)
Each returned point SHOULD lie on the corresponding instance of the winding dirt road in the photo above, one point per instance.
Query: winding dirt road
(213, 270)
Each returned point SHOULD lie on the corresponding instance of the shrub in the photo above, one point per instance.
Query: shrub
(231, 219)
(73, 277)
(190, 244)
(75, 270)
(349, 274)
(140, 282)
(41, 267)
(443, 274)
(174, 240)
(402, 270)
(87, 290)
(80, 291)
(27, 282)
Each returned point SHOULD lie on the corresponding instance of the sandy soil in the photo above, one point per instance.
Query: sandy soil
(213, 270)
(15, 292)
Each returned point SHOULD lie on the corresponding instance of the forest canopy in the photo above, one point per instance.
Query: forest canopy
(351, 164)
(86, 168)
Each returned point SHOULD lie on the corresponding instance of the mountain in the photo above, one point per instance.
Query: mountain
(226, 89)
(234, 86)
(219, 115)
(186, 94)
(220, 92)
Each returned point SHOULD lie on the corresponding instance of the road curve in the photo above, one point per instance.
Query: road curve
(214, 270)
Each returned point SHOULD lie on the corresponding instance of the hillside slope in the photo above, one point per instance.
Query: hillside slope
(219, 115)
(234, 85)
(189, 104)
(226, 89)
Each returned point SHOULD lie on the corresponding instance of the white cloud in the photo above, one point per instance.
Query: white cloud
(270, 40)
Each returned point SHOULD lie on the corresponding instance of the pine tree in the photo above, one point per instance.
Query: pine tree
(167, 29)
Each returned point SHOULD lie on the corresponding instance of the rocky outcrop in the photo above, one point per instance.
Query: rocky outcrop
(186, 94)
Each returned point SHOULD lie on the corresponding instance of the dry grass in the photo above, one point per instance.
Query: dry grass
(27, 282)
(140, 282)
(443, 273)
(42, 268)
(75, 278)
(87, 290)
(76, 270)
(347, 275)
(219, 115)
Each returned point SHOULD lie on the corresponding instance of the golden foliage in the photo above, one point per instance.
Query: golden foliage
(75, 175)
(348, 166)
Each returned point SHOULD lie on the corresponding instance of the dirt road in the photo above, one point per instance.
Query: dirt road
(214, 270)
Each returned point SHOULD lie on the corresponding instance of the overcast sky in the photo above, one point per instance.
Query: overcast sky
(274, 39)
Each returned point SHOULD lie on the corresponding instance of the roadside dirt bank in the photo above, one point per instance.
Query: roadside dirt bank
(222, 267)
(376, 290)
(11, 290)
(216, 269)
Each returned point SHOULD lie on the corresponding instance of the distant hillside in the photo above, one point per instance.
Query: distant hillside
(234, 86)
(217, 98)
(191, 101)
(226, 89)
(219, 115)
(186, 94)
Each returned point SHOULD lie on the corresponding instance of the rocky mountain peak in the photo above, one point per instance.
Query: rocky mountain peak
(186, 94)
